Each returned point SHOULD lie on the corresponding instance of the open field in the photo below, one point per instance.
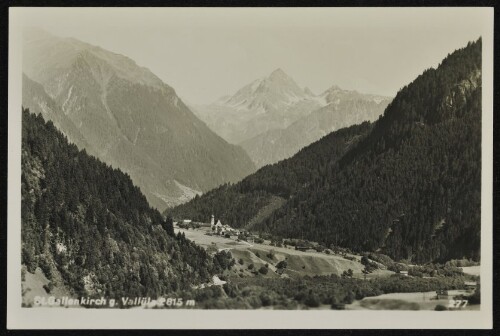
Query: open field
(472, 270)
(299, 263)
(406, 301)
(33, 285)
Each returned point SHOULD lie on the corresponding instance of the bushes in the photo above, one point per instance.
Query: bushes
(370, 266)
(312, 300)
(347, 274)
(440, 307)
(255, 292)
(270, 255)
(48, 287)
(381, 258)
(266, 299)
(281, 264)
(263, 270)
(223, 260)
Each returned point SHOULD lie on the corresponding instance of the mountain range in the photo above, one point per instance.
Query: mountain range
(265, 104)
(273, 118)
(126, 116)
(407, 185)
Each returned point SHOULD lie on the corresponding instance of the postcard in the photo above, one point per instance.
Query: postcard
(208, 168)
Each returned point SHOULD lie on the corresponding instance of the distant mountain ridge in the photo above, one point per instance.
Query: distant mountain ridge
(126, 116)
(341, 108)
(272, 102)
(270, 93)
(272, 118)
(408, 186)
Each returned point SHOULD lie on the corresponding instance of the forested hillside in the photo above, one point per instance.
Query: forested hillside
(410, 188)
(237, 204)
(91, 230)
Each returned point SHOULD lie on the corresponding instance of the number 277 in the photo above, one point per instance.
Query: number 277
(457, 303)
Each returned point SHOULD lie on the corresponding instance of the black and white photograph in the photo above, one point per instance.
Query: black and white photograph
(248, 167)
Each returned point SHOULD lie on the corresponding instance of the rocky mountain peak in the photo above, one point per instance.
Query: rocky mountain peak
(278, 74)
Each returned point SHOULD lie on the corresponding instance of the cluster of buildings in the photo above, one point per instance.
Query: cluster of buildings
(217, 228)
(222, 229)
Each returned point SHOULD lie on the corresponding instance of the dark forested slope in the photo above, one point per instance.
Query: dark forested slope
(90, 229)
(410, 188)
(237, 204)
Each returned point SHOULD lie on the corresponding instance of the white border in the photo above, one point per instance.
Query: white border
(19, 318)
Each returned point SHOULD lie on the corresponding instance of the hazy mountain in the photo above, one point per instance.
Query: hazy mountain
(269, 103)
(408, 186)
(128, 118)
(36, 99)
(340, 108)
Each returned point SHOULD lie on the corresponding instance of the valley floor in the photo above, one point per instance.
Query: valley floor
(299, 263)
(408, 301)
(251, 256)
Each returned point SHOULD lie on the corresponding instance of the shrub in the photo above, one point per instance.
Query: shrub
(49, 287)
(440, 307)
(312, 300)
(270, 255)
(349, 298)
(266, 299)
(250, 266)
(263, 270)
(281, 264)
(338, 306)
(240, 261)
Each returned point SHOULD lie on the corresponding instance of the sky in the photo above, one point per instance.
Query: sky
(206, 53)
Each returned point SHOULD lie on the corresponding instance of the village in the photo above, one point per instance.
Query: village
(218, 228)
(304, 258)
